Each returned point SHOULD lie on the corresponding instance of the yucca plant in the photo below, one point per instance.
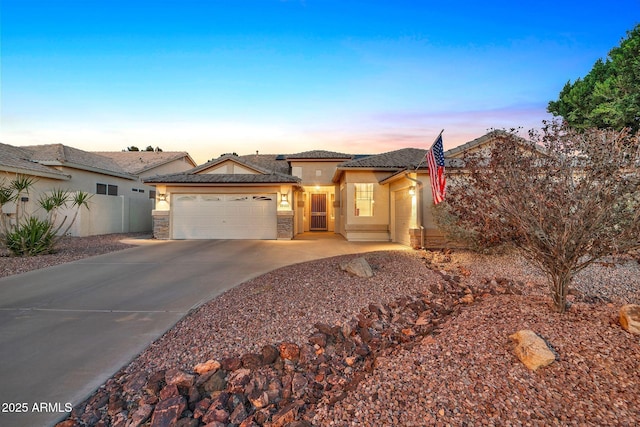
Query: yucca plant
(26, 234)
(32, 237)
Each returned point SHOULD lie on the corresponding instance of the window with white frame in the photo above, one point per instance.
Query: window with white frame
(363, 199)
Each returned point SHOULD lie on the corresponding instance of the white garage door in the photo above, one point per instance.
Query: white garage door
(403, 213)
(224, 216)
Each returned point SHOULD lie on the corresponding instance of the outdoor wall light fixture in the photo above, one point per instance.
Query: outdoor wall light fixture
(162, 197)
(284, 202)
(412, 191)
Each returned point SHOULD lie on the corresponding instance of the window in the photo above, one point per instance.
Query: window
(111, 190)
(152, 194)
(364, 200)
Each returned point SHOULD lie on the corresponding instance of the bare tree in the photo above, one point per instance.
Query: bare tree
(563, 199)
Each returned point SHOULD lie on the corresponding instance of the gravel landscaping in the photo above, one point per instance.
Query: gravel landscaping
(459, 369)
(68, 249)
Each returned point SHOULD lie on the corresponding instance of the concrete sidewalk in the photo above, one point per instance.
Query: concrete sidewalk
(65, 330)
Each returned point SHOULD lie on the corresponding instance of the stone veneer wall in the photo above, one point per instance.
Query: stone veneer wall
(414, 238)
(161, 225)
(285, 225)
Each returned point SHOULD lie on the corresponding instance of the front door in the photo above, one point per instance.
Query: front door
(318, 212)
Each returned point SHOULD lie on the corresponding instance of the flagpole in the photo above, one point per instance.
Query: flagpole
(434, 141)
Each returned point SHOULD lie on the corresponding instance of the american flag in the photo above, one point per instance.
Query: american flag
(435, 160)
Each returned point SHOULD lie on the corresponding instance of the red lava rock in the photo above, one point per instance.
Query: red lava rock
(285, 415)
(318, 339)
(414, 332)
(251, 361)
(179, 378)
(289, 351)
(141, 415)
(170, 390)
(216, 415)
(209, 365)
(269, 354)
(231, 363)
(168, 411)
(201, 408)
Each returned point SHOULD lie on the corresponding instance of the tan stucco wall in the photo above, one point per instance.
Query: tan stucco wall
(375, 227)
(315, 173)
(229, 167)
(40, 186)
(303, 207)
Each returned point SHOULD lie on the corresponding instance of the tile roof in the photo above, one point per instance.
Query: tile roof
(398, 159)
(73, 157)
(267, 162)
(453, 152)
(204, 178)
(136, 162)
(319, 154)
(17, 159)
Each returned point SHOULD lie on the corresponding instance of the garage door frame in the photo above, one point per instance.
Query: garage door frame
(224, 216)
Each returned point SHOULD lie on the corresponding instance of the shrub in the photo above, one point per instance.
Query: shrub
(32, 237)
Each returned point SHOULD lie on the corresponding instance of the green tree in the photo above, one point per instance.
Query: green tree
(563, 200)
(133, 148)
(609, 95)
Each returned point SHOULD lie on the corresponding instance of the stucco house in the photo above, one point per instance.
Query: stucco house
(120, 201)
(382, 197)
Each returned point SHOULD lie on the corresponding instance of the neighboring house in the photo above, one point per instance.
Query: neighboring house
(383, 197)
(145, 164)
(120, 202)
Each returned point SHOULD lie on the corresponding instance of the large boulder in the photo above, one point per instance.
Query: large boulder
(358, 267)
(532, 350)
(630, 318)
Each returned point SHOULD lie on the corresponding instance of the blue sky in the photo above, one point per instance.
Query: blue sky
(211, 77)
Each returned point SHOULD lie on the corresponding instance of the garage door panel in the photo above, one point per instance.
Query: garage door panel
(224, 216)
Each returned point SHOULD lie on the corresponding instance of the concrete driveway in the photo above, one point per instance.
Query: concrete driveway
(65, 330)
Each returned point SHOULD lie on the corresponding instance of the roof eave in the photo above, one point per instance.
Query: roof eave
(221, 184)
(340, 170)
(42, 174)
(88, 169)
